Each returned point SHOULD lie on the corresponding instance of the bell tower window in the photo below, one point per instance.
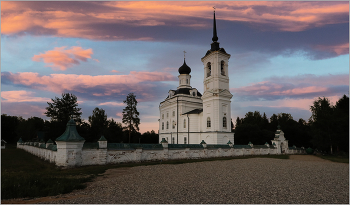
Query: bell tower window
(224, 122)
(222, 68)
(209, 69)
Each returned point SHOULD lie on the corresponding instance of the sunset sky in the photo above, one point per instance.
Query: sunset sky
(284, 55)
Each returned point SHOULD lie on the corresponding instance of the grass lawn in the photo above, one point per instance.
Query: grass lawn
(24, 175)
(334, 158)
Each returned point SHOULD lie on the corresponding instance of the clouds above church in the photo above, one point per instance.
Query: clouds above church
(282, 26)
(283, 54)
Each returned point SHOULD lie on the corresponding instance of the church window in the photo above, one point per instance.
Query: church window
(162, 125)
(208, 122)
(209, 69)
(184, 123)
(167, 125)
(222, 67)
(173, 113)
(194, 93)
(173, 124)
(224, 122)
(185, 140)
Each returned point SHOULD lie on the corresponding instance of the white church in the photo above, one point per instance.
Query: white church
(187, 116)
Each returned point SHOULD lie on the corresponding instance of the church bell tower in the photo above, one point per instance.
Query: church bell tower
(216, 97)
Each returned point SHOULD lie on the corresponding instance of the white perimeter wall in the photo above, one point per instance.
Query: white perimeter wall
(105, 156)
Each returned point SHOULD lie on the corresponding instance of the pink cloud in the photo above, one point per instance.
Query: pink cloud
(102, 85)
(112, 104)
(303, 104)
(340, 49)
(119, 114)
(24, 109)
(61, 58)
(115, 71)
(21, 96)
(67, 21)
(298, 87)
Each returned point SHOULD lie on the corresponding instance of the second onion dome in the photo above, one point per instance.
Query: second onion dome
(184, 69)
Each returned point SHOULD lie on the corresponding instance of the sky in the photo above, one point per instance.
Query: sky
(284, 55)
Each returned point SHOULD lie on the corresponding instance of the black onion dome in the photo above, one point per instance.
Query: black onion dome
(184, 69)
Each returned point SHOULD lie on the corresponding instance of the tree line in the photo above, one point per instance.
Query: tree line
(60, 110)
(326, 130)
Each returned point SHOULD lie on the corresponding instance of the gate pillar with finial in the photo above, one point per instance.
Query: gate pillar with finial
(69, 147)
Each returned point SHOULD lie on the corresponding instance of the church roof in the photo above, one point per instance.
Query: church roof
(216, 49)
(195, 111)
(185, 91)
(184, 69)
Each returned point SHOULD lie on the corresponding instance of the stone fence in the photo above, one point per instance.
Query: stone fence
(79, 153)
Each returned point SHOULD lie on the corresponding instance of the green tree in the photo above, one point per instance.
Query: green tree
(28, 129)
(98, 123)
(150, 137)
(84, 130)
(9, 125)
(114, 132)
(131, 115)
(323, 124)
(341, 111)
(61, 109)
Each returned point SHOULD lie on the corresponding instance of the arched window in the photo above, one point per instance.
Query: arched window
(209, 69)
(173, 124)
(167, 125)
(162, 125)
(194, 93)
(167, 114)
(222, 67)
(208, 122)
(224, 122)
(185, 140)
(184, 123)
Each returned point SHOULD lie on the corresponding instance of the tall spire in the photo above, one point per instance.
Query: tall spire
(215, 44)
(215, 36)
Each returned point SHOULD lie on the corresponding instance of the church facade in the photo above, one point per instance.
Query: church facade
(187, 116)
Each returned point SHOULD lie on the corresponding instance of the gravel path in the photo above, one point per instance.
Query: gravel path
(302, 179)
